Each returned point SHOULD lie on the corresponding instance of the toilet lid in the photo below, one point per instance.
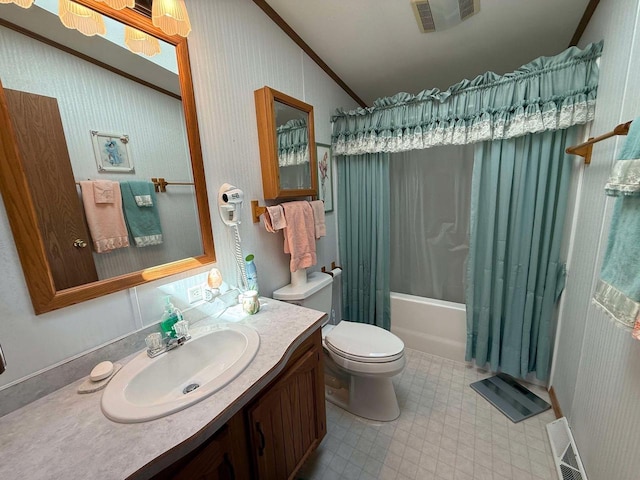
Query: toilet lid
(365, 343)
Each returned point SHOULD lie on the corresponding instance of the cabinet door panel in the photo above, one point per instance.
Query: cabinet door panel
(288, 421)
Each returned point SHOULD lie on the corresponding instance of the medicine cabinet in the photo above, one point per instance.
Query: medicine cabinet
(287, 145)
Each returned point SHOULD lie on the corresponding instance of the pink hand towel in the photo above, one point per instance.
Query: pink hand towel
(103, 191)
(266, 218)
(299, 235)
(105, 220)
(318, 218)
(276, 213)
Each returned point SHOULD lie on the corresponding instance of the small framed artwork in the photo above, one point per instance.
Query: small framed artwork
(325, 175)
(112, 152)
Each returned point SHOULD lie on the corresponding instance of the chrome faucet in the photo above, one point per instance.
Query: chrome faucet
(3, 361)
(166, 344)
(157, 343)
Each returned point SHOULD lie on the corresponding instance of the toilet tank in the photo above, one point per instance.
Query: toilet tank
(315, 294)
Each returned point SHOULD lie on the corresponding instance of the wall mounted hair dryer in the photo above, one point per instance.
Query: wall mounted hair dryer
(229, 204)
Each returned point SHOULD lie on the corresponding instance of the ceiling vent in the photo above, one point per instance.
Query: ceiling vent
(433, 15)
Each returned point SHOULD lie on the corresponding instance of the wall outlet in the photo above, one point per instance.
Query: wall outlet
(194, 294)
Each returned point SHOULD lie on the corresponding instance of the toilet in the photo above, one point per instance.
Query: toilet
(360, 359)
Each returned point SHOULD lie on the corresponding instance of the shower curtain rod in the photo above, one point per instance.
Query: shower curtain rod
(585, 149)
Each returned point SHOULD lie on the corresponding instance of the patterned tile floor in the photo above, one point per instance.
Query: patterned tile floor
(445, 431)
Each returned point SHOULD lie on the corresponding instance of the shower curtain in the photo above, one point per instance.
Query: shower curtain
(430, 204)
(519, 199)
(505, 115)
(363, 220)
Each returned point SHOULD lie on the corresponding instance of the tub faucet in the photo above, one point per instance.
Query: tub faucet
(3, 361)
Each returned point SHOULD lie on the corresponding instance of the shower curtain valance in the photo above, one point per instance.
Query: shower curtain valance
(549, 93)
(293, 139)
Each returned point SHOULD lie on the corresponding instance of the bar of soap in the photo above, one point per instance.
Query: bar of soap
(101, 371)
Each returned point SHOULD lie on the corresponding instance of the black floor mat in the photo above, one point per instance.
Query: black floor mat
(512, 399)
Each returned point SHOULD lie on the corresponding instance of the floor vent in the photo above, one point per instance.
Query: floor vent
(565, 454)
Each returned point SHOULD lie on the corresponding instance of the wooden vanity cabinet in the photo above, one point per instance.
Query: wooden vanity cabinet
(273, 435)
(222, 457)
(288, 421)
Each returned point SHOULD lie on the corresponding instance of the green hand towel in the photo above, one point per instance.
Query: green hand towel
(143, 222)
(618, 290)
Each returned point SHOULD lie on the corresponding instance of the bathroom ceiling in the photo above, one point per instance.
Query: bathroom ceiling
(376, 48)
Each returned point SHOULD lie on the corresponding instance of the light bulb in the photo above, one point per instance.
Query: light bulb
(171, 17)
(140, 42)
(81, 18)
(20, 3)
(119, 4)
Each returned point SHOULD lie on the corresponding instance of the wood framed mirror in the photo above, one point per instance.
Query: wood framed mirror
(287, 145)
(48, 242)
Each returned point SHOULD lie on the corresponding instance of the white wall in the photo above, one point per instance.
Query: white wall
(597, 365)
(235, 49)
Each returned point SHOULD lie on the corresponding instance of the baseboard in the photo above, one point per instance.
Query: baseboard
(554, 403)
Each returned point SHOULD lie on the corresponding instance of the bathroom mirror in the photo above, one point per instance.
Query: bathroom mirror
(287, 145)
(65, 99)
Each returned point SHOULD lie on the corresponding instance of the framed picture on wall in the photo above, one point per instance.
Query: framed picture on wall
(325, 175)
(112, 152)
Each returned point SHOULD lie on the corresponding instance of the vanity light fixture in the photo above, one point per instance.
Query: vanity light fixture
(20, 3)
(171, 17)
(119, 4)
(140, 42)
(80, 18)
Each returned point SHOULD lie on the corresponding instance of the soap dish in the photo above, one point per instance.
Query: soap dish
(89, 386)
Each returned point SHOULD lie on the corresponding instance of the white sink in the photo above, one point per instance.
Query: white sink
(149, 388)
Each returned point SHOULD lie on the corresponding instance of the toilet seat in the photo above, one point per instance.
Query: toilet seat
(358, 358)
(366, 349)
(360, 342)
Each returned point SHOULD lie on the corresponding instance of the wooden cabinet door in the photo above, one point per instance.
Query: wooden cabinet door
(45, 159)
(212, 462)
(222, 457)
(288, 422)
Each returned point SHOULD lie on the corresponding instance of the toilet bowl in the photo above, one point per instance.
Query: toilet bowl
(360, 359)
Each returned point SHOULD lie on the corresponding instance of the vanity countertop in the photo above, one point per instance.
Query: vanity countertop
(65, 434)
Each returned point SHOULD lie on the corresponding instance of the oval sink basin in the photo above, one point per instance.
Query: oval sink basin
(149, 388)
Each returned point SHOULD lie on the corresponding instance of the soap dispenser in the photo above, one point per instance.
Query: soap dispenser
(170, 316)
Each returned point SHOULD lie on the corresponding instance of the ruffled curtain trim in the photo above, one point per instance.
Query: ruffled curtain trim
(550, 93)
(624, 179)
(293, 138)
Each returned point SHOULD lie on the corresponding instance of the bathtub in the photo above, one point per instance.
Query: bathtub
(432, 326)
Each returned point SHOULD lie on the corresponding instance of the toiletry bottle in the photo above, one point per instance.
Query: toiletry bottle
(170, 316)
(252, 273)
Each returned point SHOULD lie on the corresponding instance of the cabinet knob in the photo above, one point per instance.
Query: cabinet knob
(79, 243)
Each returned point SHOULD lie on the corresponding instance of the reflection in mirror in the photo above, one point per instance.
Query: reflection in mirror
(287, 145)
(87, 129)
(293, 147)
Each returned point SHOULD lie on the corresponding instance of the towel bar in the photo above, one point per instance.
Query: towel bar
(585, 149)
